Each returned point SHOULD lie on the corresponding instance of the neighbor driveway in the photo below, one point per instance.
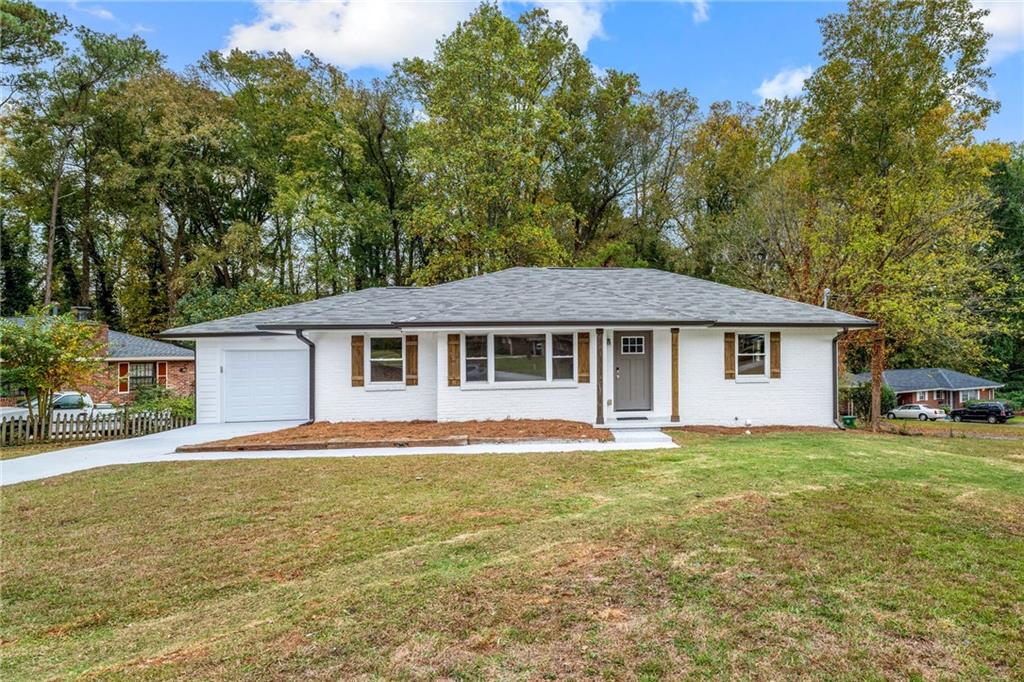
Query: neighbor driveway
(160, 447)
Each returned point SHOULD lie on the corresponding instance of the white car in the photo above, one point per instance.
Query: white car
(65, 403)
(921, 412)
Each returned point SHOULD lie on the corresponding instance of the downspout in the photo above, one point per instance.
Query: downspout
(835, 379)
(312, 374)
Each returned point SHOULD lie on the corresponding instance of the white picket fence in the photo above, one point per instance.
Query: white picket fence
(82, 427)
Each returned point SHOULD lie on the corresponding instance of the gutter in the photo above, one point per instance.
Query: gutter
(835, 379)
(312, 374)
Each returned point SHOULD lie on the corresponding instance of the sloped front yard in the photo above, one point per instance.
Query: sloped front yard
(327, 435)
(794, 555)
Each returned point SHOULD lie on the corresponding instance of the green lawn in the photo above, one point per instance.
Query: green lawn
(1014, 428)
(791, 555)
(12, 451)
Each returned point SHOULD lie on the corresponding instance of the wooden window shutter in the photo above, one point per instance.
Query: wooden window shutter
(412, 360)
(122, 377)
(583, 357)
(161, 373)
(453, 360)
(357, 360)
(776, 355)
(730, 355)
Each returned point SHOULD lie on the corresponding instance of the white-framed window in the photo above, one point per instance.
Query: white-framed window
(477, 355)
(537, 357)
(751, 355)
(632, 345)
(141, 374)
(971, 394)
(922, 395)
(386, 360)
(563, 357)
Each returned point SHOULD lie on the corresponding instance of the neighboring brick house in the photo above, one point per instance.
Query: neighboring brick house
(934, 386)
(133, 362)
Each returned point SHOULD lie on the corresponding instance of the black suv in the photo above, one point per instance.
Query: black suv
(983, 412)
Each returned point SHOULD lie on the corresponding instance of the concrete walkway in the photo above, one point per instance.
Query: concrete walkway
(160, 447)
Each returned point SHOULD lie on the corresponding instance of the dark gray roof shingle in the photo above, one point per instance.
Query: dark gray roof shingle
(538, 295)
(125, 346)
(928, 379)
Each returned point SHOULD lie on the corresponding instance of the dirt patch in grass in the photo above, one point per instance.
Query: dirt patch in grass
(413, 433)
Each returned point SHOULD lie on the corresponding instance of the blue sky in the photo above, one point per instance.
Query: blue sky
(718, 50)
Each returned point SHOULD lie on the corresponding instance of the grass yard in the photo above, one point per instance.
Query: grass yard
(1014, 428)
(806, 555)
(12, 451)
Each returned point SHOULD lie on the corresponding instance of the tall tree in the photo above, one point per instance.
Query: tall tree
(888, 134)
(490, 103)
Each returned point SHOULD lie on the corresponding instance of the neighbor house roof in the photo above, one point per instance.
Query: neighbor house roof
(534, 296)
(121, 346)
(928, 379)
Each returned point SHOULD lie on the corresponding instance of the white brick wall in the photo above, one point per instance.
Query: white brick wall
(338, 400)
(802, 396)
(576, 402)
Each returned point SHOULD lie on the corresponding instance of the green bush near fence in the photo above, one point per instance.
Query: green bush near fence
(160, 399)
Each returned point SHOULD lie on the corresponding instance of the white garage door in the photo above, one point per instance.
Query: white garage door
(265, 385)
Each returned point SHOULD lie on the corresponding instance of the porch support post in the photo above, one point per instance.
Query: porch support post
(600, 376)
(675, 374)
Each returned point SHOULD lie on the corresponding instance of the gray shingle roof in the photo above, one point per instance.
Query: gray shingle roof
(123, 346)
(928, 379)
(538, 296)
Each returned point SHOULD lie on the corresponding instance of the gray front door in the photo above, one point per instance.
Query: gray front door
(633, 352)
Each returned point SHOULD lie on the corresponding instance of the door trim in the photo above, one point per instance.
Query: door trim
(648, 335)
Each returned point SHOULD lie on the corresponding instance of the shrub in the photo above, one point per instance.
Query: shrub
(159, 399)
(860, 396)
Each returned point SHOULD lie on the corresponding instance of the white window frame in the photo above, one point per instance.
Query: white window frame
(131, 386)
(965, 394)
(922, 395)
(547, 382)
(753, 378)
(368, 362)
(633, 338)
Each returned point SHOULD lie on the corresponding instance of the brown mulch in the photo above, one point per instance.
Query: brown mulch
(330, 435)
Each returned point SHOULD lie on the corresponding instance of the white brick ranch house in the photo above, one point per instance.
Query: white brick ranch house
(597, 345)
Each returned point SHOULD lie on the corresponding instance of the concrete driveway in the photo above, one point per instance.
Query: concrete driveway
(160, 447)
(153, 448)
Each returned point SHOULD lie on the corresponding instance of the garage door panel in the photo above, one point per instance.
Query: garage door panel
(265, 385)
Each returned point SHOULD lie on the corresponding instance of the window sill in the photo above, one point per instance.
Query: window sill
(753, 380)
(516, 385)
(385, 387)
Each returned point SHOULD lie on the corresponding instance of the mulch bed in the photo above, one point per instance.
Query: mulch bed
(327, 435)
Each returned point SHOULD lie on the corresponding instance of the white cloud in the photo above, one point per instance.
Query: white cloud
(94, 10)
(786, 83)
(350, 33)
(355, 33)
(700, 11)
(1005, 21)
(582, 19)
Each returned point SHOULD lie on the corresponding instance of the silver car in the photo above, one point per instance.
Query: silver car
(921, 412)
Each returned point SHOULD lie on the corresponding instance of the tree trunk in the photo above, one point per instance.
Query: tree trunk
(877, 367)
(52, 232)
